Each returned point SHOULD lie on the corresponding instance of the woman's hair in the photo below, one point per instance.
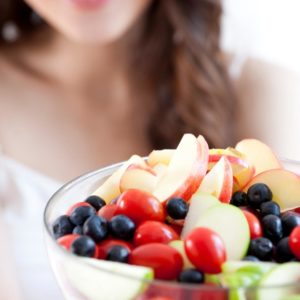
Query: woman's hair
(177, 52)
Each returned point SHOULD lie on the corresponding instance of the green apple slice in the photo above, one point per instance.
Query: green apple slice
(199, 204)
(230, 223)
(247, 266)
(271, 285)
(99, 279)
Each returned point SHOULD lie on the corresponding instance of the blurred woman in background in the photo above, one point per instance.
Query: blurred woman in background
(85, 83)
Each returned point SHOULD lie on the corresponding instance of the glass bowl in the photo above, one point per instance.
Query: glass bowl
(81, 280)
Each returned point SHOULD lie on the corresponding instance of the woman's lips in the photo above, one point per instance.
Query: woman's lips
(88, 4)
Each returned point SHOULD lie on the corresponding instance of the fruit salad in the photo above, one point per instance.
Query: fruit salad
(191, 216)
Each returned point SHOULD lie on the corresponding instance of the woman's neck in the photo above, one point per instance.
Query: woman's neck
(70, 65)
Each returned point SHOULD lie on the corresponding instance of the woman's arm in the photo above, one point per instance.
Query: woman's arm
(269, 106)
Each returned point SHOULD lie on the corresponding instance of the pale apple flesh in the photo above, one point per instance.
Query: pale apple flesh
(259, 155)
(185, 171)
(160, 157)
(136, 177)
(199, 204)
(219, 181)
(285, 187)
(110, 188)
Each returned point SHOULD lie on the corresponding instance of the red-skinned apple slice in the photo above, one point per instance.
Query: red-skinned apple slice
(219, 181)
(284, 185)
(110, 188)
(137, 177)
(259, 155)
(242, 170)
(160, 157)
(185, 171)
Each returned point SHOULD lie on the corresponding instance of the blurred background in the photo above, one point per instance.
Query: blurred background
(264, 39)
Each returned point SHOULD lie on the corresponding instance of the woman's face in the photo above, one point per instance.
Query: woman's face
(90, 21)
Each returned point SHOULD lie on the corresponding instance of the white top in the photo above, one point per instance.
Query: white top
(23, 195)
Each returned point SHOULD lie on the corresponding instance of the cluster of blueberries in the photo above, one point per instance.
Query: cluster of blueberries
(276, 226)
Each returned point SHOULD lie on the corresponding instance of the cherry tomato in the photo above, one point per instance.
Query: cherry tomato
(108, 211)
(154, 232)
(297, 210)
(205, 249)
(294, 242)
(176, 228)
(140, 206)
(78, 204)
(103, 247)
(254, 225)
(67, 240)
(166, 261)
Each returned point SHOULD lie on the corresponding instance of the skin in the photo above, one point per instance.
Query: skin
(73, 78)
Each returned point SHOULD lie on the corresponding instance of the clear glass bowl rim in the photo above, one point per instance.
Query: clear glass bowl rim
(110, 169)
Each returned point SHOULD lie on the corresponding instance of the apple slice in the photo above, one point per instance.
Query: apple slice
(110, 188)
(137, 177)
(185, 171)
(280, 281)
(242, 178)
(159, 169)
(218, 181)
(179, 246)
(199, 204)
(160, 156)
(259, 155)
(260, 267)
(230, 223)
(284, 185)
(93, 279)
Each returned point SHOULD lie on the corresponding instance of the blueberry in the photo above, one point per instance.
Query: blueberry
(81, 213)
(177, 208)
(78, 230)
(272, 228)
(290, 220)
(96, 202)
(251, 258)
(96, 227)
(122, 227)
(239, 199)
(62, 226)
(258, 193)
(262, 248)
(283, 252)
(269, 208)
(83, 246)
(118, 253)
(191, 276)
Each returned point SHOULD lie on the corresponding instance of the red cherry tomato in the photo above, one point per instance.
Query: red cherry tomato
(140, 206)
(205, 249)
(294, 242)
(108, 211)
(254, 225)
(297, 210)
(67, 240)
(103, 247)
(78, 204)
(154, 232)
(166, 261)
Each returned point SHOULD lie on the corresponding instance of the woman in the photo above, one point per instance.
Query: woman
(88, 84)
